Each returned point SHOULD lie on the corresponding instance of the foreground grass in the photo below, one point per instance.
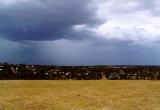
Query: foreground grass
(79, 95)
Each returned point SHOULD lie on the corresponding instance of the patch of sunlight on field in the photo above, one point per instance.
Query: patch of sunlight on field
(79, 95)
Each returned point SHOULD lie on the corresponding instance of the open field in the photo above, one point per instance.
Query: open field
(79, 95)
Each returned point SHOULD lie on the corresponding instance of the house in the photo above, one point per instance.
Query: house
(1, 68)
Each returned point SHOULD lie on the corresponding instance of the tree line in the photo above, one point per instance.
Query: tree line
(53, 72)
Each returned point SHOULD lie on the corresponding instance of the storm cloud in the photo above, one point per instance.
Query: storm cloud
(44, 19)
(80, 32)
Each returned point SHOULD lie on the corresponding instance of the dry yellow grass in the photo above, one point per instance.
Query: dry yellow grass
(79, 95)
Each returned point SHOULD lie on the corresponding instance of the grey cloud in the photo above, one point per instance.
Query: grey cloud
(92, 52)
(44, 20)
(45, 26)
(151, 5)
(77, 52)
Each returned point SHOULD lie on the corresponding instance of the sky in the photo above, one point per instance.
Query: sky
(80, 32)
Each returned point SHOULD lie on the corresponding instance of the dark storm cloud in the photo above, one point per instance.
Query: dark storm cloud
(53, 32)
(93, 52)
(44, 19)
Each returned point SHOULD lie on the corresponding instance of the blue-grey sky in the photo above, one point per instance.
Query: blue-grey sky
(80, 32)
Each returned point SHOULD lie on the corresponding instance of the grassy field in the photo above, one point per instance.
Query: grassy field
(79, 95)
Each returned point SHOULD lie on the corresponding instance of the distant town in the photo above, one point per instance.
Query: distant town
(53, 72)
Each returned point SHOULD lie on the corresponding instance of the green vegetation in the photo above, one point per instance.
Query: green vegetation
(79, 95)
